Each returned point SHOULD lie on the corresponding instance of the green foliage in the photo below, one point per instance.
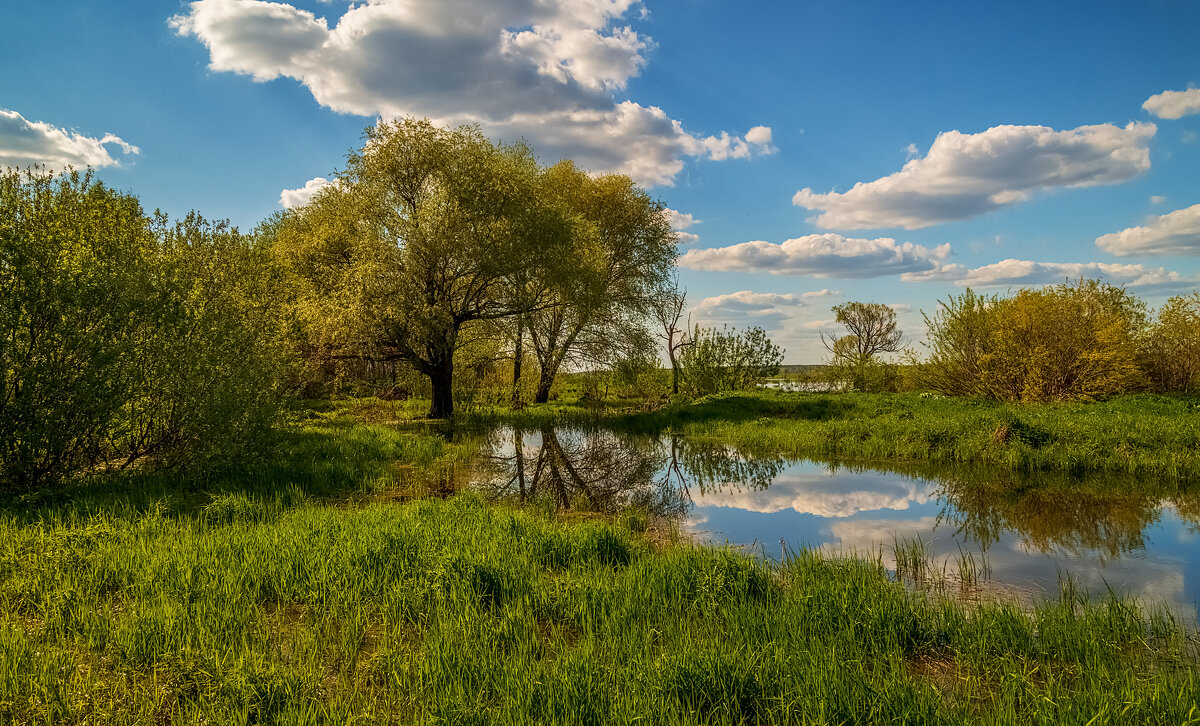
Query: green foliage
(74, 258)
(596, 297)
(728, 360)
(1067, 342)
(124, 338)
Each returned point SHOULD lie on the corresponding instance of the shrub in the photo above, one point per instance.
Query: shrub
(124, 338)
(726, 360)
(1171, 356)
(1066, 342)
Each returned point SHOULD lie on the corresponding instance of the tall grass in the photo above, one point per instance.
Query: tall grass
(454, 611)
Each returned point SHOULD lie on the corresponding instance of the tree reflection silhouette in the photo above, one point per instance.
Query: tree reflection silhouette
(605, 471)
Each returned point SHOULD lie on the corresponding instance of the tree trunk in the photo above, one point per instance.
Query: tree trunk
(441, 378)
(674, 365)
(518, 354)
(519, 449)
(545, 380)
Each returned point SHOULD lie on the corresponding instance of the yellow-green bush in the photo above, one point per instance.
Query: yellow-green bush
(1066, 342)
(1172, 351)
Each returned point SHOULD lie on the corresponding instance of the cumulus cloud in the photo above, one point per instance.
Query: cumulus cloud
(1014, 273)
(820, 255)
(1177, 233)
(1174, 104)
(25, 143)
(966, 175)
(290, 198)
(520, 68)
(824, 292)
(822, 494)
(680, 222)
(746, 307)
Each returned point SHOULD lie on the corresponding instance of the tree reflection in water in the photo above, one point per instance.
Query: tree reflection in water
(605, 471)
(601, 470)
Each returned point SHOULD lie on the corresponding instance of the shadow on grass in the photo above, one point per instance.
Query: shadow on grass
(726, 407)
(334, 459)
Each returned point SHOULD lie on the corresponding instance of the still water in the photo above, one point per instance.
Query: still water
(1022, 533)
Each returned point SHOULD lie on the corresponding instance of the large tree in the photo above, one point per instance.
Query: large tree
(623, 249)
(420, 238)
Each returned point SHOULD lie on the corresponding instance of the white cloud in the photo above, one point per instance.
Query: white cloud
(746, 307)
(965, 175)
(818, 324)
(820, 255)
(1174, 104)
(824, 292)
(1013, 273)
(679, 222)
(25, 143)
(1177, 233)
(911, 151)
(290, 198)
(545, 71)
(821, 494)
(1158, 199)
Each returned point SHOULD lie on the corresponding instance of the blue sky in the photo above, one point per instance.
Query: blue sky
(994, 145)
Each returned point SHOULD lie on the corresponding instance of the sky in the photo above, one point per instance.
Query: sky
(811, 153)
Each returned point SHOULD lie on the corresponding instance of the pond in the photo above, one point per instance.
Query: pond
(991, 529)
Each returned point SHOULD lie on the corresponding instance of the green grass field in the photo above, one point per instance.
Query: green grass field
(293, 593)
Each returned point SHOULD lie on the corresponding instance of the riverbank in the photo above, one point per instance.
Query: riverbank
(1145, 435)
(293, 592)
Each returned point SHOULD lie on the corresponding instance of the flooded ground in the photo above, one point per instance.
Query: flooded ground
(1015, 532)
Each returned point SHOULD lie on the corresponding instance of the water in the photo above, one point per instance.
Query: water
(1023, 533)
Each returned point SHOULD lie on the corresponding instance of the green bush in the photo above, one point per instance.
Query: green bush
(727, 360)
(125, 338)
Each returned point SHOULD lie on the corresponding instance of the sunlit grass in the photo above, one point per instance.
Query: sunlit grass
(458, 611)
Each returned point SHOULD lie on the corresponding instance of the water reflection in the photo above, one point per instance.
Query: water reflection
(1027, 530)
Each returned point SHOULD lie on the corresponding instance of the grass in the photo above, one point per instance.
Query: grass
(294, 593)
(456, 611)
(1141, 435)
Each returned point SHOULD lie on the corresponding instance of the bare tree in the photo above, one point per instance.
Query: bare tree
(668, 309)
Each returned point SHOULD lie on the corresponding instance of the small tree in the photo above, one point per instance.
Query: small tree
(668, 307)
(726, 360)
(854, 358)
